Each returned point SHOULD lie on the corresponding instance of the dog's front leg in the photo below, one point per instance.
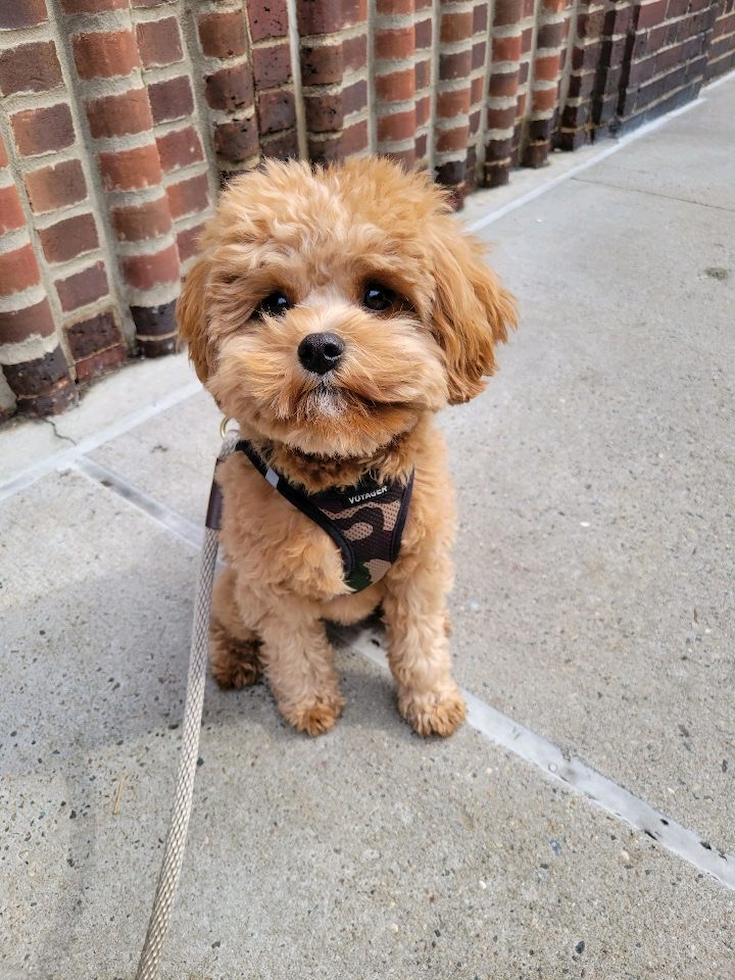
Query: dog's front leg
(299, 664)
(418, 649)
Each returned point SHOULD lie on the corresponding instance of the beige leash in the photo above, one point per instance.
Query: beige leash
(173, 854)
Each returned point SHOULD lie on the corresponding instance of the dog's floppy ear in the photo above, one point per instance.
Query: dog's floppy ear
(472, 311)
(191, 317)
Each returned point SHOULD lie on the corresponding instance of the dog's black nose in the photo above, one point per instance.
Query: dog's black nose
(321, 352)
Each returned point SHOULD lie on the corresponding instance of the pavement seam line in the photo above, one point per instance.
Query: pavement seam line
(604, 153)
(495, 726)
(641, 190)
(578, 777)
(62, 459)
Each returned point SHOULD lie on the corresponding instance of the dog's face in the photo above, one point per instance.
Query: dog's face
(330, 309)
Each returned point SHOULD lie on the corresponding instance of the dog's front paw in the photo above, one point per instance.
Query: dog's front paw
(234, 663)
(438, 712)
(316, 716)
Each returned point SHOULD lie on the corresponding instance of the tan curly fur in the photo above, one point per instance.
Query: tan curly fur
(319, 236)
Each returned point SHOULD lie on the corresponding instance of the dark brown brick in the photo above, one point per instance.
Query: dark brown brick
(17, 325)
(230, 88)
(22, 13)
(92, 335)
(98, 364)
(319, 16)
(159, 42)
(323, 112)
(222, 35)
(354, 52)
(171, 99)
(550, 36)
(55, 187)
(284, 146)
(272, 66)
(38, 376)
(43, 130)
(119, 115)
(276, 111)
(105, 54)
(651, 13)
(322, 65)
(139, 222)
(155, 328)
(92, 6)
(29, 68)
(236, 141)
(453, 66)
(188, 196)
(83, 287)
(69, 238)
(422, 35)
(56, 400)
(268, 18)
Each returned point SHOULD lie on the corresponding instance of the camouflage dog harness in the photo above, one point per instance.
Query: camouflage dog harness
(365, 521)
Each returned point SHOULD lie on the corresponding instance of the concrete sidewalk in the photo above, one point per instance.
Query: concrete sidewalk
(593, 605)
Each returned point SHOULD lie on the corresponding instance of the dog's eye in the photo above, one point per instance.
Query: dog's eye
(377, 297)
(274, 304)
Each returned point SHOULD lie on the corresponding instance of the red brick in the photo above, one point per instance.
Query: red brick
(137, 222)
(456, 27)
(229, 88)
(105, 55)
(3, 153)
(501, 118)
(147, 271)
(544, 99)
(477, 90)
(22, 13)
(92, 6)
(394, 7)
(171, 99)
(395, 43)
(159, 42)
(423, 74)
(449, 104)
(43, 130)
(188, 196)
(98, 364)
(11, 211)
(237, 140)
(19, 324)
(222, 35)
(268, 18)
(83, 287)
(125, 170)
(272, 66)
(397, 126)
(546, 69)
(29, 68)
(276, 111)
(503, 84)
(179, 148)
(449, 140)
(69, 238)
(92, 335)
(507, 48)
(187, 241)
(398, 86)
(319, 16)
(18, 270)
(479, 19)
(651, 13)
(55, 187)
(355, 138)
(119, 115)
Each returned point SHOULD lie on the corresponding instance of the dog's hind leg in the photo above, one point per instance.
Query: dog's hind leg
(234, 648)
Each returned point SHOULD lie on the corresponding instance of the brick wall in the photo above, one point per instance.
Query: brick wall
(120, 119)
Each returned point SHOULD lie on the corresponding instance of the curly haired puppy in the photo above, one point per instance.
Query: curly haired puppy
(331, 313)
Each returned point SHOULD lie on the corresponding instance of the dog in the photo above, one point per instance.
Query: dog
(331, 312)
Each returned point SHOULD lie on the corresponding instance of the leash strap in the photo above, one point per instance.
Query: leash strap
(173, 854)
